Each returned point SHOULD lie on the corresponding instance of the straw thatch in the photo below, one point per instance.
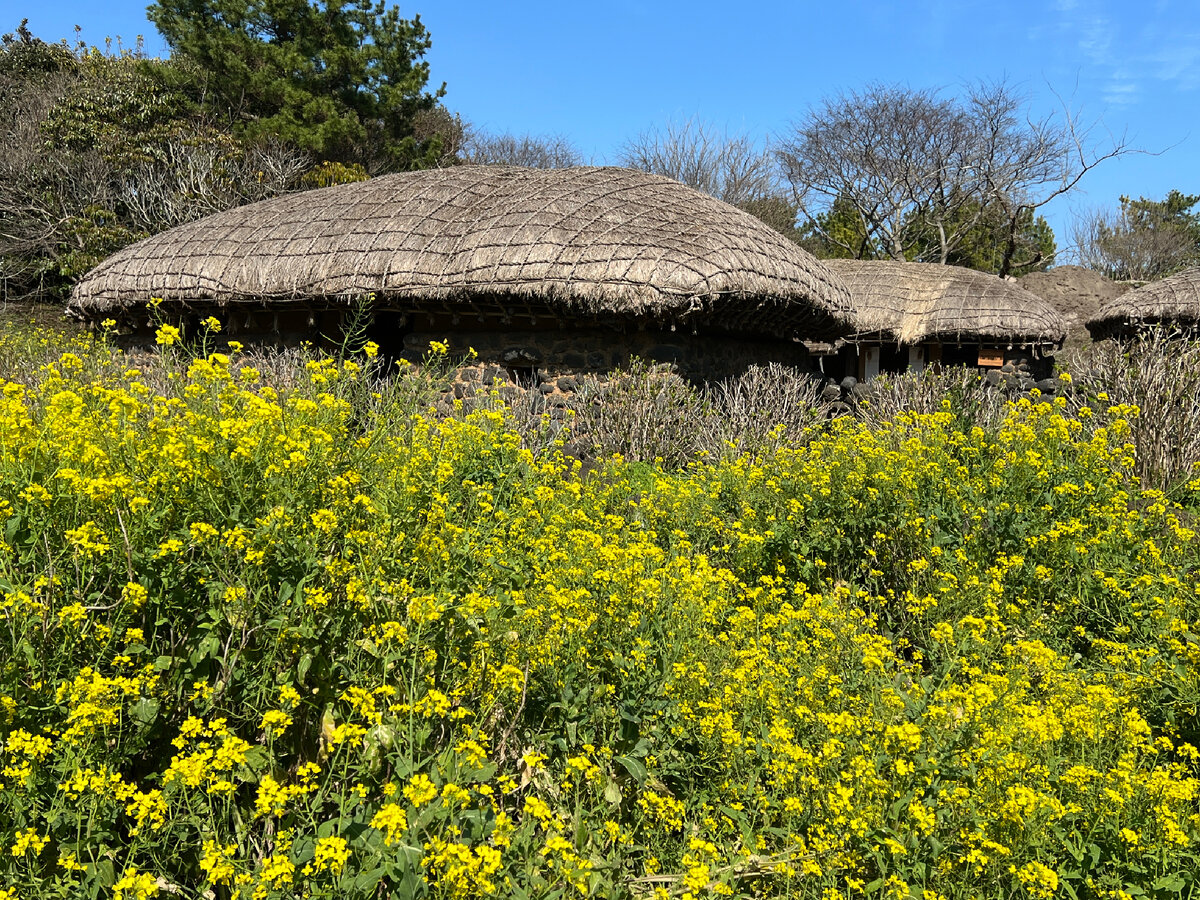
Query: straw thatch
(915, 302)
(1174, 300)
(602, 242)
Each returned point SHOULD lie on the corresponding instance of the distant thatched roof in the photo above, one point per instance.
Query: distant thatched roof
(1077, 293)
(913, 302)
(1174, 300)
(605, 242)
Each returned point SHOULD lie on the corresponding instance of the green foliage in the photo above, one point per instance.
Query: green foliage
(1175, 212)
(122, 106)
(23, 56)
(839, 233)
(89, 237)
(328, 173)
(343, 79)
(983, 245)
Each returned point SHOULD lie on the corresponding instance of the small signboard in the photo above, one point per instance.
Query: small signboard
(991, 357)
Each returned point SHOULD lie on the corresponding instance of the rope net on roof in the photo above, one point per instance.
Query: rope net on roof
(592, 240)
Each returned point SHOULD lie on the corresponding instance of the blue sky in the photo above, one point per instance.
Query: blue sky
(600, 73)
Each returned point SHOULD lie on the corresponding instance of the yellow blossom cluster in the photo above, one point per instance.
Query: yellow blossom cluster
(271, 635)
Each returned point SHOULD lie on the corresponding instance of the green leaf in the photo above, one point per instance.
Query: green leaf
(634, 767)
(612, 793)
(1173, 883)
(366, 881)
(106, 875)
(145, 710)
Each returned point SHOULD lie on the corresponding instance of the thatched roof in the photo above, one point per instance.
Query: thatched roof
(914, 302)
(604, 242)
(1175, 300)
(1077, 293)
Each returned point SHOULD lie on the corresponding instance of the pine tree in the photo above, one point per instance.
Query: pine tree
(342, 79)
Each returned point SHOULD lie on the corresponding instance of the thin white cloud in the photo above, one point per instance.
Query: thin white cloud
(1124, 59)
(1178, 61)
(1096, 39)
(1121, 90)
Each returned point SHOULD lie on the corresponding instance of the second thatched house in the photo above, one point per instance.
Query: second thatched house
(1173, 302)
(909, 315)
(540, 271)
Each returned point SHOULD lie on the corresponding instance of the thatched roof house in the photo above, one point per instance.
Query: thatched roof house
(945, 313)
(1076, 292)
(605, 245)
(919, 302)
(1175, 300)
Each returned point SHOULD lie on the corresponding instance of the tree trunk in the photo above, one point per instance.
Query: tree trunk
(1010, 244)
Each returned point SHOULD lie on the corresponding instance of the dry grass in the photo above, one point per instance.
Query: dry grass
(1160, 374)
(971, 398)
(763, 409)
(643, 413)
(649, 413)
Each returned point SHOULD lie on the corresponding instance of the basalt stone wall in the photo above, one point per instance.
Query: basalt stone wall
(286, 326)
(518, 352)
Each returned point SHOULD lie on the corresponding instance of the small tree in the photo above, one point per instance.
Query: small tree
(532, 151)
(730, 167)
(342, 79)
(920, 176)
(1143, 240)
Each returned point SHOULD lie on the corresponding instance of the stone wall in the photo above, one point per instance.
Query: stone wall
(538, 353)
(548, 356)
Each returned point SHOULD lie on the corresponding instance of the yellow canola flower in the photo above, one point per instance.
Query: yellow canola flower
(28, 840)
(135, 885)
(167, 336)
(461, 871)
(420, 790)
(331, 854)
(217, 862)
(392, 820)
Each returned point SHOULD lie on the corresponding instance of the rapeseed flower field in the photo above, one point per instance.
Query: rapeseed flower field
(265, 640)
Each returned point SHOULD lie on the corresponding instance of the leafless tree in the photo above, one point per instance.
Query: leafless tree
(911, 173)
(533, 151)
(1024, 163)
(200, 172)
(730, 167)
(1126, 246)
(886, 156)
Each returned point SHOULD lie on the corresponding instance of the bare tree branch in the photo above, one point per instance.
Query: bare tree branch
(730, 167)
(532, 151)
(921, 174)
